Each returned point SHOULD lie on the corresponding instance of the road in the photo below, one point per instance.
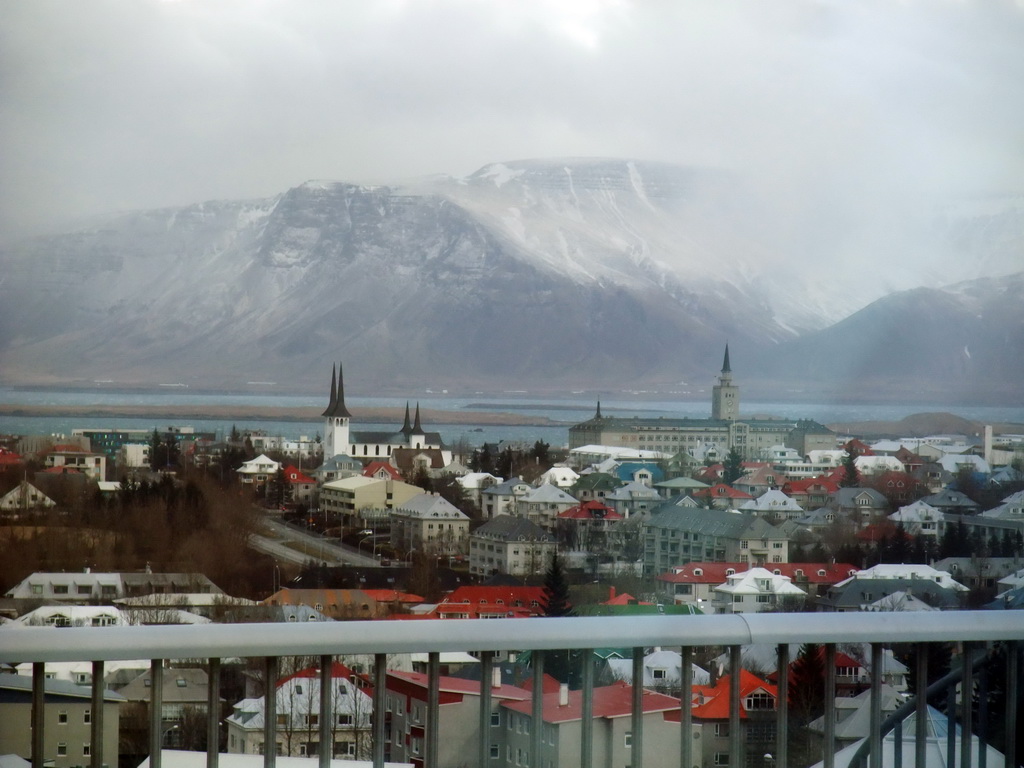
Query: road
(287, 543)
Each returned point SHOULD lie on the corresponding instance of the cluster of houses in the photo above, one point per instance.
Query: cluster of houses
(129, 599)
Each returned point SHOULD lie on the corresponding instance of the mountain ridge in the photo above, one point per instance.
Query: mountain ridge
(566, 273)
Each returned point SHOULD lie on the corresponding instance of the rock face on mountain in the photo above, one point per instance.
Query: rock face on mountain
(579, 274)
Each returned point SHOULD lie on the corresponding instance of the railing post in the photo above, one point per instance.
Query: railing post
(156, 707)
(269, 712)
(1012, 673)
(735, 736)
(587, 709)
(213, 714)
(983, 717)
(486, 681)
(38, 712)
(686, 708)
(96, 717)
(951, 726)
(875, 733)
(537, 710)
(782, 711)
(966, 707)
(637, 739)
(326, 718)
(921, 708)
(380, 689)
(433, 731)
(829, 749)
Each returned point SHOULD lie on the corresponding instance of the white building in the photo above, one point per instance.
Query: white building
(298, 717)
(775, 505)
(919, 518)
(429, 523)
(754, 591)
(258, 471)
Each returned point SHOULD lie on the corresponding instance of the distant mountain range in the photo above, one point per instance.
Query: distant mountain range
(582, 274)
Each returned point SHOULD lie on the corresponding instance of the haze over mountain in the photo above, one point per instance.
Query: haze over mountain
(581, 274)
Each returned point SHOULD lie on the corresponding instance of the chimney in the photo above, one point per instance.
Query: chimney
(496, 677)
(563, 695)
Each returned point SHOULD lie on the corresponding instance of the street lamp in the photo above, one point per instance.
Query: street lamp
(163, 736)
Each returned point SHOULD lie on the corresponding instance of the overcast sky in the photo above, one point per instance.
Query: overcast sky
(142, 103)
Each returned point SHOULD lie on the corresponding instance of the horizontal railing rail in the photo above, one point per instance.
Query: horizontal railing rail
(354, 637)
(326, 640)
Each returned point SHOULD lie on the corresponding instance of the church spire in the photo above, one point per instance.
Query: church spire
(726, 368)
(598, 414)
(334, 394)
(336, 407)
(406, 427)
(416, 428)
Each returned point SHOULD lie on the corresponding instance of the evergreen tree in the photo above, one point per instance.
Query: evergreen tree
(733, 467)
(851, 477)
(806, 691)
(540, 452)
(556, 589)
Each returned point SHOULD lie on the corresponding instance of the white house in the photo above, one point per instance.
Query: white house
(775, 505)
(258, 471)
(298, 717)
(754, 591)
(918, 518)
(25, 496)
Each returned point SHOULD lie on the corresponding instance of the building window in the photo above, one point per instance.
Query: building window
(86, 750)
(721, 758)
(87, 716)
(495, 751)
(760, 701)
(62, 749)
(495, 719)
(722, 730)
(62, 717)
(627, 740)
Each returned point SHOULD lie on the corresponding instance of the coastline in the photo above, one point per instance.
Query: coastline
(271, 413)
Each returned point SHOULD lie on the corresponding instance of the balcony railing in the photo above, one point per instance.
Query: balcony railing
(975, 630)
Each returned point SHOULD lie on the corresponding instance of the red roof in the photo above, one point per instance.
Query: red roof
(61, 471)
(842, 661)
(338, 670)
(805, 485)
(712, 702)
(590, 510)
(712, 473)
(374, 467)
(721, 491)
(614, 700)
(858, 448)
(292, 475)
(625, 599)
(455, 685)
(9, 458)
(500, 595)
(393, 596)
(885, 529)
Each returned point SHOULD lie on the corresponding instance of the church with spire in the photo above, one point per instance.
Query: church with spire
(340, 439)
(725, 430)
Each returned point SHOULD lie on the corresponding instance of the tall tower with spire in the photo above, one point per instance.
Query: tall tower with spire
(725, 396)
(336, 430)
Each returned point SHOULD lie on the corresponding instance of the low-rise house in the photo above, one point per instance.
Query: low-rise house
(633, 497)
(300, 488)
(612, 728)
(812, 492)
(860, 505)
(679, 485)
(458, 718)
(586, 526)
(543, 504)
(492, 603)
(297, 701)
(475, 483)
(23, 497)
(562, 476)
(774, 505)
(955, 502)
(337, 468)
(918, 519)
(184, 702)
(663, 671)
(758, 702)
(865, 588)
(258, 472)
(337, 604)
(984, 572)
(67, 725)
(429, 523)
(759, 478)
(500, 499)
(756, 590)
(92, 465)
(72, 616)
(510, 544)
(722, 496)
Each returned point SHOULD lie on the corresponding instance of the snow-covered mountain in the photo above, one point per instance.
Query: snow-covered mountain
(580, 273)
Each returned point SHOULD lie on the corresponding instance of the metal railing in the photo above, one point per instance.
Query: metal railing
(325, 640)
